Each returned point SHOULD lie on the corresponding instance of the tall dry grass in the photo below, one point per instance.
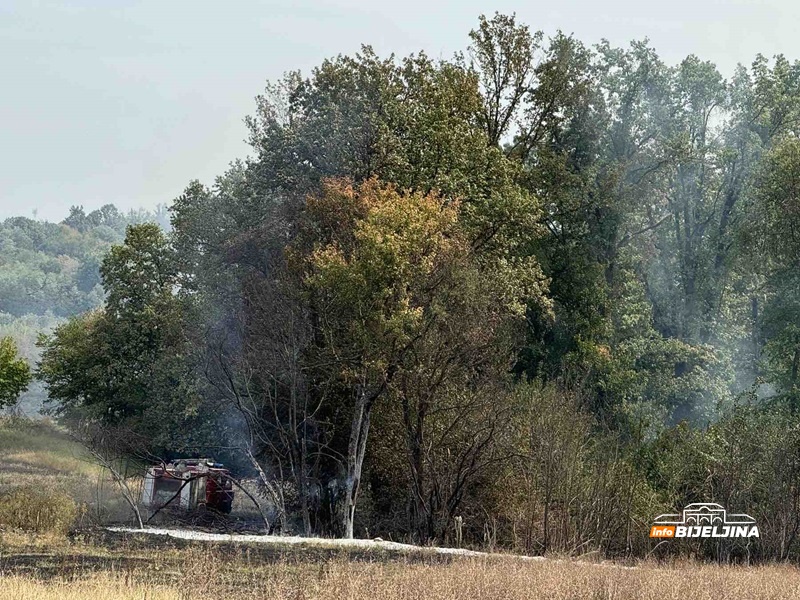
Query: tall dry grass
(473, 579)
(38, 455)
(38, 509)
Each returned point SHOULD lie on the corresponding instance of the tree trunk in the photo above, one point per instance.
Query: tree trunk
(357, 447)
(419, 512)
(302, 484)
(275, 493)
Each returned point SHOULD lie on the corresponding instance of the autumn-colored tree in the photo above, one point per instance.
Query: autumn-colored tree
(373, 278)
(384, 274)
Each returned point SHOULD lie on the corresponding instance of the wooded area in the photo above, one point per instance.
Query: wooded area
(546, 288)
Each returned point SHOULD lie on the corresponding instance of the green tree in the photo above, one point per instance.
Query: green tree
(775, 246)
(502, 53)
(15, 374)
(128, 363)
(414, 123)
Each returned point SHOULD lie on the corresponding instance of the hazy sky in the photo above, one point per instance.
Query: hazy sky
(126, 102)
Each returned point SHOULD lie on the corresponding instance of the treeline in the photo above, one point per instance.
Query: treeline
(546, 288)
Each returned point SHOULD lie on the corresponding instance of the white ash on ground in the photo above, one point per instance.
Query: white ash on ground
(372, 544)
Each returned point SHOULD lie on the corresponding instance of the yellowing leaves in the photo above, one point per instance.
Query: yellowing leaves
(381, 251)
(386, 269)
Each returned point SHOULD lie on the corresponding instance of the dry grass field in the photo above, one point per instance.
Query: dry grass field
(205, 576)
(100, 566)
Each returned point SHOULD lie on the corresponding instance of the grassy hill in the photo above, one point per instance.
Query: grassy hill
(42, 464)
(39, 453)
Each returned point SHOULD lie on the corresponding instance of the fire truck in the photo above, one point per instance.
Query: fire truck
(188, 484)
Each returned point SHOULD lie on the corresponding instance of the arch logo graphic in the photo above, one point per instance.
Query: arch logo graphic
(704, 520)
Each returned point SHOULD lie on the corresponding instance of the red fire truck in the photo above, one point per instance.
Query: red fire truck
(188, 483)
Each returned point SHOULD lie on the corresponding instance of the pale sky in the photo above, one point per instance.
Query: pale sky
(126, 102)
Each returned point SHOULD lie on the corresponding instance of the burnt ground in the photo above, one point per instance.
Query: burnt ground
(265, 553)
(97, 550)
(43, 565)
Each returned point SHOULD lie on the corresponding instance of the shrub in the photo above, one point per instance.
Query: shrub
(37, 509)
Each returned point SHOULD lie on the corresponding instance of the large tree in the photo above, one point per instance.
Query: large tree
(127, 364)
(386, 275)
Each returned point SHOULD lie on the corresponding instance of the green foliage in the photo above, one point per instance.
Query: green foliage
(503, 55)
(747, 459)
(384, 259)
(73, 363)
(384, 250)
(127, 364)
(649, 382)
(778, 208)
(15, 374)
(50, 271)
(775, 254)
(410, 122)
(50, 267)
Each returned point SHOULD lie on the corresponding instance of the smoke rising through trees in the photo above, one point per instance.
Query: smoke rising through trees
(546, 288)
